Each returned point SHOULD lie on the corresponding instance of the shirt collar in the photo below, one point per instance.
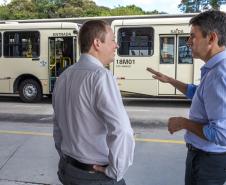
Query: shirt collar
(90, 58)
(215, 60)
(212, 62)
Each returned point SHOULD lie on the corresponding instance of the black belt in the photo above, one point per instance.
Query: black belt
(194, 149)
(78, 164)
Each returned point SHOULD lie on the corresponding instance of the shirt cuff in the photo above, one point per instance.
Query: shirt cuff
(214, 136)
(207, 133)
(191, 88)
(110, 173)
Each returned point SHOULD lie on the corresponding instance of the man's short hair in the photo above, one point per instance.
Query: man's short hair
(90, 31)
(211, 21)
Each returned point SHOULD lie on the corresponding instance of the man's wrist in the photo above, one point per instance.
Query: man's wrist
(184, 123)
(171, 81)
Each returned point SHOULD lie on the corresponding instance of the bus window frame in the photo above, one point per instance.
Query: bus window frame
(174, 51)
(20, 44)
(151, 30)
(178, 54)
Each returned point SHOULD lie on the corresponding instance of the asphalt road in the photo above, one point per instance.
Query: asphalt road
(142, 112)
(28, 155)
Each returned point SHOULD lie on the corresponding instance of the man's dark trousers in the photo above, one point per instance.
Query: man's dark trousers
(70, 175)
(203, 168)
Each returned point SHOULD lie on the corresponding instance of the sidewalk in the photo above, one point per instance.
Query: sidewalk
(143, 114)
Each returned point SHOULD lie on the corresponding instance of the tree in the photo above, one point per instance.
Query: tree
(4, 12)
(21, 9)
(69, 11)
(29, 9)
(45, 8)
(190, 6)
(127, 10)
(215, 4)
(154, 12)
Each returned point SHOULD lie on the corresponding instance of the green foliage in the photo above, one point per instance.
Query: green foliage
(45, 8)
(190, 6)
(127, 10)
(22, 9)
(154, 12)
(68, 11)
(4, 12)
(29, 9)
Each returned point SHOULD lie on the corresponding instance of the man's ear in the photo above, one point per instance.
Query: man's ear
(213, 38)
(96, 44)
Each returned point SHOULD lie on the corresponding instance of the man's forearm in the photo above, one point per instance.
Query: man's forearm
(182, 87)
(195, 128)
(178, 123)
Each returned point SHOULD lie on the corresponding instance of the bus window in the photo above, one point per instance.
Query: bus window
(184, 52)
(167, 50)
(22, 44)
(135, 41)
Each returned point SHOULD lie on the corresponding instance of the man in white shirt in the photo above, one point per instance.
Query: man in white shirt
(92, 131)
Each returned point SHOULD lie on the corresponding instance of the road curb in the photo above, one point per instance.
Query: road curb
(41, 118)
(27, 118)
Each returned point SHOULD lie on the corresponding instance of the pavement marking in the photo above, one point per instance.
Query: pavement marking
(28, 106)
(25, 133)
(160, 140)
(138, 110)
(47, 118)
(50, 135)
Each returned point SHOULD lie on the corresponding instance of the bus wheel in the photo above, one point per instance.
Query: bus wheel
(30, 91)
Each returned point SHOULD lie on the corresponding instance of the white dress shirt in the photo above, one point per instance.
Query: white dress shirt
(90, 121)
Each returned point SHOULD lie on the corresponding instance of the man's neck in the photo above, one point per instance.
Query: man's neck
(213, 52)
(95, 54)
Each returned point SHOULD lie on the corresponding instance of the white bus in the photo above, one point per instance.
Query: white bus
(159, 43)
(32, 55)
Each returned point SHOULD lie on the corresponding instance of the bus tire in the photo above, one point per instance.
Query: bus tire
(30, 91)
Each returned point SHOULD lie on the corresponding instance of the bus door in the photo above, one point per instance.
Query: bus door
(176, 61)
(62, 53)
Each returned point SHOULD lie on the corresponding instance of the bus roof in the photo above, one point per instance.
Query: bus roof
(109, 19)
(39, 25)
(156, 21)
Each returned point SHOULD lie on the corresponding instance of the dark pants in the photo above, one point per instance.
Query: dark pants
(70, 175)
(205, 169)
